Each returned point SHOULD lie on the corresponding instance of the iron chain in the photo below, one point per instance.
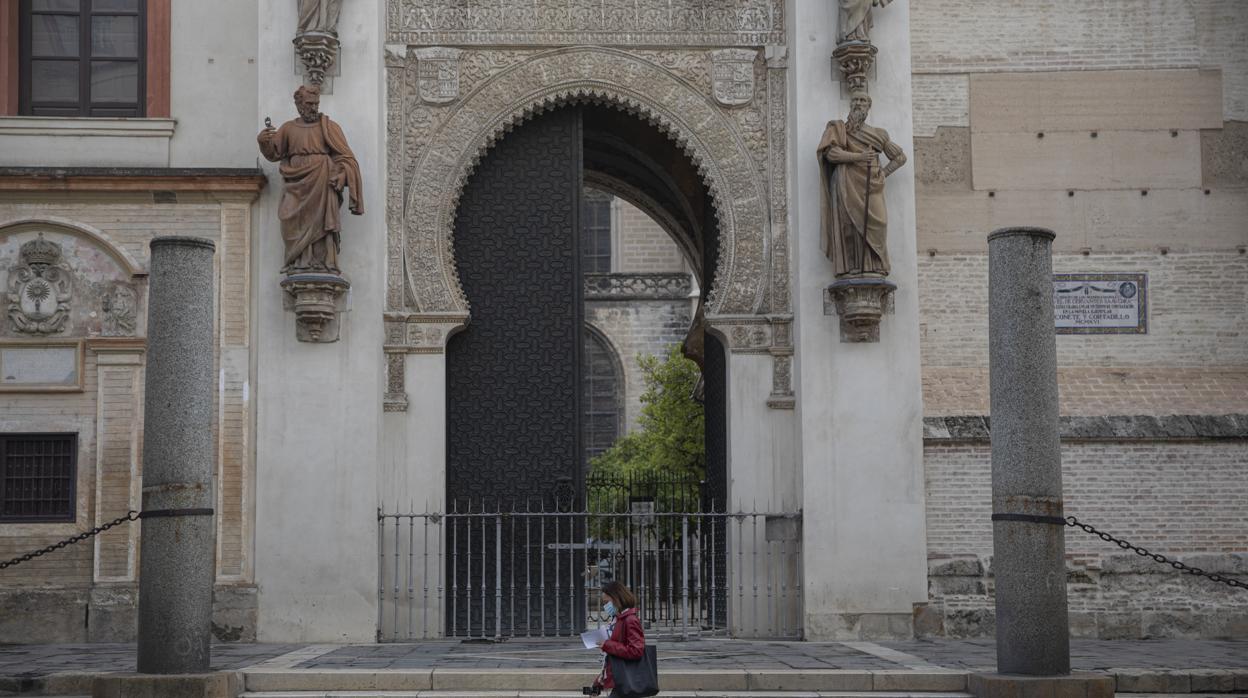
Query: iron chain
(131, 516)
(1157, 557)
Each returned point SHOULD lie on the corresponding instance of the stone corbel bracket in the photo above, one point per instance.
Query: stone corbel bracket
(855, 59)
(763, 334)
(317, 301)
(861, 303)
(413, 333)
(318, 51)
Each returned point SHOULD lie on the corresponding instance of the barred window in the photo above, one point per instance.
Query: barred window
(37, 476)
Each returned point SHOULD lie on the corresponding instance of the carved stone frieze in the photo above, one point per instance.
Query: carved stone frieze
(396, 392)
(40, 289)
(629, 287)
(571, 22)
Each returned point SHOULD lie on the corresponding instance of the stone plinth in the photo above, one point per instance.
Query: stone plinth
(218, 685)
(1015, 686)
(315, 300)
(860, 303)
(855, 59)
(1028, 531)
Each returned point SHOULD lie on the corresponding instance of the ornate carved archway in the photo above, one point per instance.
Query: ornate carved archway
(437, 137)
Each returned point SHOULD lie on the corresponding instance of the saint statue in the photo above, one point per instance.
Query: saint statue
(316, 165)
(319, 15)
(854, 218)
(856, 19)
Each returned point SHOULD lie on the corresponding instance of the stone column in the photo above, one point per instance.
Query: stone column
(177, 564)
(1028, 533)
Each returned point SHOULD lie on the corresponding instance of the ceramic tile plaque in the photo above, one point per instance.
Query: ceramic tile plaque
(40, 366)
(1109, 303)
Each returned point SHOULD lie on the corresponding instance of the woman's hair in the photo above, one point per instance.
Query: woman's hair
(620, 593)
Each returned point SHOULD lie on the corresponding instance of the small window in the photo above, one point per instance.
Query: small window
(596, 231)
(83, 57)
(37, 477)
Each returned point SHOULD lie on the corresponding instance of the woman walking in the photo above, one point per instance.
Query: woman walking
(625, 637)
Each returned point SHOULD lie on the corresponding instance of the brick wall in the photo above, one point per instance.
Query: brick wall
(107, 415)
(1181, 499)
(642, 246)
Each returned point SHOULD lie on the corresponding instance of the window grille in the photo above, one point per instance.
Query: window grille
(37, 477)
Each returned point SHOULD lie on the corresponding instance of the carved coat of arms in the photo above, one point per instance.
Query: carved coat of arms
(732, 76)
(437, 74)
(39, 289)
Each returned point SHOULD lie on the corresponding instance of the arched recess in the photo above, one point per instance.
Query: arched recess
(95, 236)
(628, 83)
(604, 404)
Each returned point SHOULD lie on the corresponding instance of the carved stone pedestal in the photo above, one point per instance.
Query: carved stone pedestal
(314, 298)
(318, 51)
(861, 302)
(855, 58)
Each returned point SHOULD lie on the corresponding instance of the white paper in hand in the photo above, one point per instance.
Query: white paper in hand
(593, 638)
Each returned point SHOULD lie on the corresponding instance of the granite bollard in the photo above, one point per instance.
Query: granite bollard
(1028, 532)
(178, 537)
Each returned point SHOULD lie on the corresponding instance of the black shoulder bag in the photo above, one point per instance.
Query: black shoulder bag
(636, 678)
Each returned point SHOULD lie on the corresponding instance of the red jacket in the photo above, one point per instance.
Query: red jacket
(627, 641)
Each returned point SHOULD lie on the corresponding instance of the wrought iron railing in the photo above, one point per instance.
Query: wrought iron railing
(501, 574)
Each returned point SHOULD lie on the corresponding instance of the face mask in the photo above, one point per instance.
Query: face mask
(609, 609)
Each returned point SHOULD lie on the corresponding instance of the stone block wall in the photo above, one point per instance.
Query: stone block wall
(87, 592)
(1120, 125)
(1176, 488)
(636, 328)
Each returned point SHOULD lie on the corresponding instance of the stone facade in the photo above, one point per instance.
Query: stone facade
(88, 591)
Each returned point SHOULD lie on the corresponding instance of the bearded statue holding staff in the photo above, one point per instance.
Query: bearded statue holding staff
(856, 19)
(854, 217)
(316, 165)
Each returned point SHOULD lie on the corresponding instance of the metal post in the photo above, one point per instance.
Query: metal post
(498, 576)
(1028, 531)
(684, 577)
(177, 563)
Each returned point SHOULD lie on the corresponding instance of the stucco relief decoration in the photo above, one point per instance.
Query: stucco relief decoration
(732, 76)
(437, 71)
(570, 22)
(436, 141)
(40, 289)
(120, 307)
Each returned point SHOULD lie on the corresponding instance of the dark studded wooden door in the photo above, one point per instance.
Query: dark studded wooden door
(513, 374)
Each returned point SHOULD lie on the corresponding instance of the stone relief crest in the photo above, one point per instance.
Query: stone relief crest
(120, 306)
(437, 74)
(732, 76)
(40, 288)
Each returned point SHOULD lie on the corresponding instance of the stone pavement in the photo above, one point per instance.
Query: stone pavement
(32, 661)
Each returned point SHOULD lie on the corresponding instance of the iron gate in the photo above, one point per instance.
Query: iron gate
(501, 574)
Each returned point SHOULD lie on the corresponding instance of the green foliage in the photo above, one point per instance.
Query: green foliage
(670, 440)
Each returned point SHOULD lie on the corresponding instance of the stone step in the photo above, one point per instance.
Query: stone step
(578, 694)
(547, 681)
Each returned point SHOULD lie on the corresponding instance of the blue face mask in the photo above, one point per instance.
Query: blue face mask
(609, 609)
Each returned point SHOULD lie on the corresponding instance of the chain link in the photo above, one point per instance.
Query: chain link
(131, 516)
(1156, 557)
